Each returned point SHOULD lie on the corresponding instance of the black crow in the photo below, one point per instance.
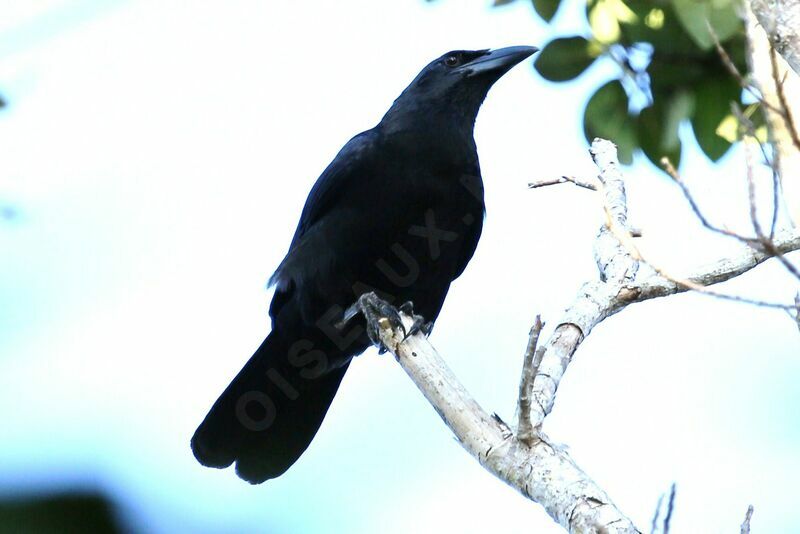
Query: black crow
(398, 212)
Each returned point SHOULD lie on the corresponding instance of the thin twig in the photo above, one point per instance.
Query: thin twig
(562, 180)
(776, 196)
(787, 110)
(627, 241)
(635, 232)
(759, 242)
(670, 508)
(751, 193)
(749, 130)
(533, 357)
(746, 523)
(765, 242)
(731, 68)
(654, 523)
(673, 173)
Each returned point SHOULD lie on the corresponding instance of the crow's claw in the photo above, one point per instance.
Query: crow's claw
(407, 307)
(424, 327)
(419, 324)
(374, 310)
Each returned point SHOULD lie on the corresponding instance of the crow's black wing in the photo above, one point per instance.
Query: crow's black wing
(341, 175)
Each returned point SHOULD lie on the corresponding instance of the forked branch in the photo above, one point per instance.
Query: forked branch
(528, 461)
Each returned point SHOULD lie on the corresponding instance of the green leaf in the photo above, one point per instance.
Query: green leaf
(713, 97)
(640, 7)
(605, 17)
(565, 58)
(606, 116)
(546, 8)
(660, 27)
(721, 14)
(666, 73)
(501, 2)
(658, 124)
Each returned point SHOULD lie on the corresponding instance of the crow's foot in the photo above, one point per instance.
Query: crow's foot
(419, 324)
(375, 310)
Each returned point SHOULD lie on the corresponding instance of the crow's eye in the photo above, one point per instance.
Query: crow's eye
(452, 61)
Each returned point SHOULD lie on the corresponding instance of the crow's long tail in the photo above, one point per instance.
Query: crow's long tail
(269, 413)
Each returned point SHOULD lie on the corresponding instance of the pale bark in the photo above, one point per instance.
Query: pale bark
(529, 462)
(542, 472)
(624, 281)
(780, 19)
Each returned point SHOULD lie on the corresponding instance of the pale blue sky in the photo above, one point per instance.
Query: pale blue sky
(158, 155)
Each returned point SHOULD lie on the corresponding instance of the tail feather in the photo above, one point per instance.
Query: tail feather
(268, 415)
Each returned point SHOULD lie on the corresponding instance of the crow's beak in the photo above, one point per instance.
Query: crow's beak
(500, 60)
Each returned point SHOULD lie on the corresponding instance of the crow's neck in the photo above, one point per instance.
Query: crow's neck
(452, 112)
(448, 124)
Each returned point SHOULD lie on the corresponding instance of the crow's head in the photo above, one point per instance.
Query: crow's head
(469, 68)
(456, 82)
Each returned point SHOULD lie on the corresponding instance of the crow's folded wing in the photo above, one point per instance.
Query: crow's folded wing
(347, 171)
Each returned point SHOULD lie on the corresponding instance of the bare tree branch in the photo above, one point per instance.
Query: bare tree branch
(542, 472)
(530, 364)
(622, 283)
(530, 462)
(563, 180)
